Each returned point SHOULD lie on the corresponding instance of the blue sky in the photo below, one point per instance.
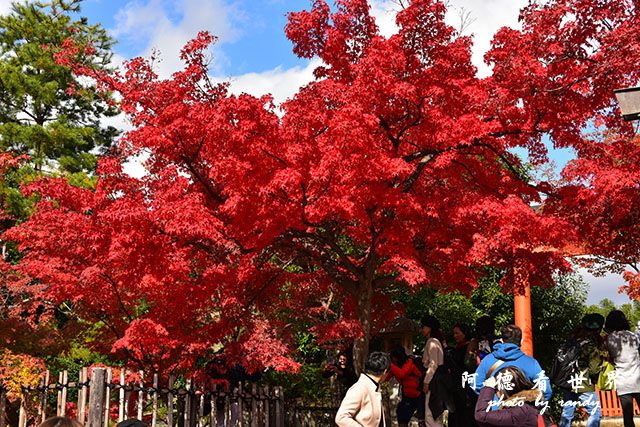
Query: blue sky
(254, 54)
(251, 32)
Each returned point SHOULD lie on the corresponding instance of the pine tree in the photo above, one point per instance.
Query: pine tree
(46, 112)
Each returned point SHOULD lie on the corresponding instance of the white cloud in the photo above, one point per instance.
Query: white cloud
(384, 12)
(279, 82)
(483, 19)
(149, 23)
(5, 6)
(487, 17)
(601, 287)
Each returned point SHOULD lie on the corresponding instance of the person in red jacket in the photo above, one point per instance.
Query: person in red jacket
(410, 378)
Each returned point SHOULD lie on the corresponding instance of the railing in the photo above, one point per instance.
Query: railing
(610, 404)
(193, 405)
(311, 413)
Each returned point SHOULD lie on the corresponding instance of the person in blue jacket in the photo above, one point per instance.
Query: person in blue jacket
(508, 353)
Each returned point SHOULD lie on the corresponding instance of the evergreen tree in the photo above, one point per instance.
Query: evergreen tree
(46, 112)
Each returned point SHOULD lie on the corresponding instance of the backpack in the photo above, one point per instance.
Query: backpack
(544, 420)
(417, 360)
(565, 364)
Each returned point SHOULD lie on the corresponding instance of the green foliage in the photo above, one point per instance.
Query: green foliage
(630, 310)
(307, 347)
(307, 383)
(50, 121)
(46, 112)
(555, 311)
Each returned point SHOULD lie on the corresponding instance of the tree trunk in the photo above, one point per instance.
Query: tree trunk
(363, 314)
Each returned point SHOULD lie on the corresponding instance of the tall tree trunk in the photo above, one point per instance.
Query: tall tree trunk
(363, 314)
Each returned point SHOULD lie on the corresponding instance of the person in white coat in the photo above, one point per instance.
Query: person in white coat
(432, 357)
(362, 405)
(622, 345)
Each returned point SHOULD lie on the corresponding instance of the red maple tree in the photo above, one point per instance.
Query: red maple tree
(601, 200)
(392, 168)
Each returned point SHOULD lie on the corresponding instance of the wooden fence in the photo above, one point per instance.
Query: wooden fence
(610, 404)
(101, 402)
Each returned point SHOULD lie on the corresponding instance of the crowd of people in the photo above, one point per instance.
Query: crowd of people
(487, 380)
(484, 380)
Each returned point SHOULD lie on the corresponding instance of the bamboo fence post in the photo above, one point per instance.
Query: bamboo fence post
(214, 413)
(59, 399)
(96, 398)
(266, 416)
(254, 406)
(121, 397)
(154, 415)
(240, 406)
(3, 401)
(292, 411)
(42, 409)
(201, 410)
(127, 399)
(65, 387)
(107, 398)
(278, 407)
(227, 407)
(140, 397)
(170, 402)
(187, 405)
(259, 406)
(22, 420)
(83, 377)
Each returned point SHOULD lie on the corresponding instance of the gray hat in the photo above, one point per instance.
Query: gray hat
(593, 321)
(132, 422)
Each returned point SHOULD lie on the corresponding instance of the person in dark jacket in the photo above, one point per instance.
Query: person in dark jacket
(484, 342)
(589, 362)
(228, 377)
(408, 375)
(518, 399)
(465, 398)
(438, 382)
(343, 370)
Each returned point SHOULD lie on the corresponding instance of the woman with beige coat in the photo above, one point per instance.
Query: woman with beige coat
(362, 405)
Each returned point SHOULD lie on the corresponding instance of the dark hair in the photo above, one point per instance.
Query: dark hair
(431, 321)
(60, 422)
(344, 353)
(464, 328)
(377, 362)
(399, 353)
(511, 334)
(616, 321)
(580, 333)
(485, 326)
(518, 382)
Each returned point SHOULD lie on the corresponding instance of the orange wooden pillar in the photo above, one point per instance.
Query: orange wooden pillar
(522, 309)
